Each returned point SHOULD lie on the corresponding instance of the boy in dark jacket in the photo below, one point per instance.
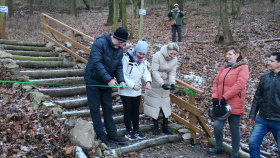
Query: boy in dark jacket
(105, 63)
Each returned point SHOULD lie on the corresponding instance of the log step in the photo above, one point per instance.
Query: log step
(53, 73)
(73, 103)
(27, 48)
(148, 143)
(22, 43)
(86, 113)
(64, 92)
(45, 64)
(33, 53)
(57, 81)
(17, 57)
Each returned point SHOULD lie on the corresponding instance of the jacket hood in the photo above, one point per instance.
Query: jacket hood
(241, 62)
(165, 54)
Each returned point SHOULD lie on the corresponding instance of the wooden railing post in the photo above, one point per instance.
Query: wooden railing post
(73, 38)
(193, 119)
(45, 30)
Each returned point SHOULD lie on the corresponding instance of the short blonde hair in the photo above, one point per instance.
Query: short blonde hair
(173, 46)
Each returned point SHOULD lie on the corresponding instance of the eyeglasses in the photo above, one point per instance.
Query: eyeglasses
(121, 42)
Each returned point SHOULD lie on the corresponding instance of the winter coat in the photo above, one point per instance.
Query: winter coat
(267, 98)
(179, 16)
(163, 71)
(133, 74)
(230, 84)
(105, 62)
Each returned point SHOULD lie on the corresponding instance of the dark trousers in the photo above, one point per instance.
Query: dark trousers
(131, 112)
(177, 28)
(103, 96)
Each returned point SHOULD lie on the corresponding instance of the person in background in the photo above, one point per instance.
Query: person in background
(135, 67)
(176, 26)
(229, 88)
(105, 63)
(157, 100)
(266, 103)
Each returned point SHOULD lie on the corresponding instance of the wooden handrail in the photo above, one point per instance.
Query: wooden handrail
(45, 15)
(189, 86)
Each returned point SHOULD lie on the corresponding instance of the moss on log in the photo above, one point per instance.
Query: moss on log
(45, 64)
(27, 48)
(35, 54)
(16, 57)
(53, 73)
(23, 43)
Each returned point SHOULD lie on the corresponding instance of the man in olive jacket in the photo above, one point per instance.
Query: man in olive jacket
(267, 103)
(105, 63)
(176, 15)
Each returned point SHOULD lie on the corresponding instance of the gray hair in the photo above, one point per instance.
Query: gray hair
(173, 46)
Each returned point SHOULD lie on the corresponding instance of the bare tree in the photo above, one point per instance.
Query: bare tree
(116, 13)
(141, 22)
(31, 7)
(2, 21)
(124, 16)
(74, 8)
(110, 20)
(86, 3)
(132, 20)
(10, 8)
(228, 39)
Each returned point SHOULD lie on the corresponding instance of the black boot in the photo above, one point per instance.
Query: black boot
(155, 132)
(165, 128)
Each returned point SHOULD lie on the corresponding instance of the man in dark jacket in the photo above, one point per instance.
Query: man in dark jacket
(267, 103)
(105, 63)
(176, 15)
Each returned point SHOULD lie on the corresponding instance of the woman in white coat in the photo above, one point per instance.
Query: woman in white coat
(163, 75)
(135, 67)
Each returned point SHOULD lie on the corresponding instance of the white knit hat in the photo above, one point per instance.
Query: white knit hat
(142, 46)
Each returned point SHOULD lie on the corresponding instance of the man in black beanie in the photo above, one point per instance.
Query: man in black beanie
(105, 63)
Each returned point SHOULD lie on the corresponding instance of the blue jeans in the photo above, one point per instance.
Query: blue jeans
(103, 96)
(234, 123)
(261, 128)
(177, 28)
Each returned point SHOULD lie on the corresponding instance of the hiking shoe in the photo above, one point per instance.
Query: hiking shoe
(214, 151)
(116, 140)
(130, 136)
(139, 135)
(104, 140)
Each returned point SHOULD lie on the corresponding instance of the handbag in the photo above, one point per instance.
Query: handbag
(173, 21)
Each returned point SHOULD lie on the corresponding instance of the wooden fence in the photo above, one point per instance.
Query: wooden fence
(195, 117)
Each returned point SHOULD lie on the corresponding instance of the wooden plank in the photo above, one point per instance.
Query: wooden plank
(196, 90)
(204, 126)
(141, 110)
(45, 15)
(60, 35)
(193, 119)
(183, 121)
(68, 50)
(183, 104)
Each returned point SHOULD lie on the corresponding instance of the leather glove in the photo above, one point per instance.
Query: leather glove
(172, 87)
(165, 86)
(215, 101)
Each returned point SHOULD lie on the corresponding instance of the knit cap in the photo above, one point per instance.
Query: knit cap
(142, 46)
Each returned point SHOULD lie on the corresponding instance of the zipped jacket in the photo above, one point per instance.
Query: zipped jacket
(179, 16)
(267, 98)
(133, 73)
(230, 84)
(105, 62)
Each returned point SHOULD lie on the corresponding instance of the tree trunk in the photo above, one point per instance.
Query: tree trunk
(116, 14)
(31, 7)
(132, 20)
(10, 8)
(233, 7)
(197, 7)
(2, 21)
(141, 22)
(86, 3)
(74, 8)
(124, 16)
(110, 20)
(169, 5)
(228, 39)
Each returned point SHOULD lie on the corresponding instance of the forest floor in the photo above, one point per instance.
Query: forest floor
(257, 21)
